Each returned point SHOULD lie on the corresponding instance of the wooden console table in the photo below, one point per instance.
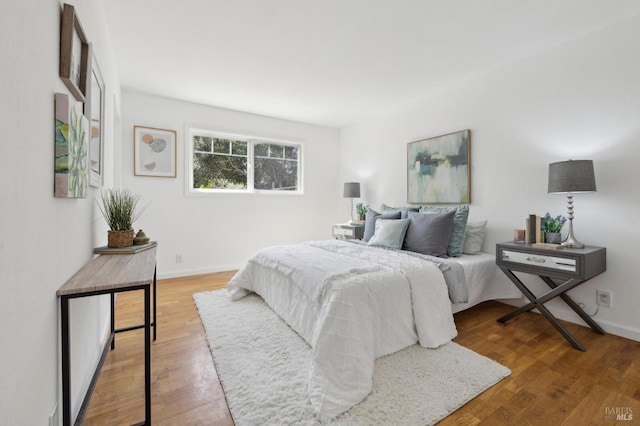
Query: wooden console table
(109, 274)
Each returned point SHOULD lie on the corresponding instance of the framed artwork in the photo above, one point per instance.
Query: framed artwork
(154, 152)
(438, 169)
(71, 146)
(94, 111)
(74, 54)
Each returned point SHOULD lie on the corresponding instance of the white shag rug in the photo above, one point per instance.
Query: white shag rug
(264, 365)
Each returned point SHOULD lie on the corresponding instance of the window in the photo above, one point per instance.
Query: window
(231, 163)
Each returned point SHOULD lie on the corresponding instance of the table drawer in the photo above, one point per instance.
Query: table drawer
(538, 260)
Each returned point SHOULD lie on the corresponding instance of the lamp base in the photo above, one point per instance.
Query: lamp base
(570, 241)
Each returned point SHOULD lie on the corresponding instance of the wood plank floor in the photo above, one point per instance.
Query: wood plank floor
(551, 383)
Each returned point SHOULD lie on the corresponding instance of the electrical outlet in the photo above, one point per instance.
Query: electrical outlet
(603, 298)
(179, 258)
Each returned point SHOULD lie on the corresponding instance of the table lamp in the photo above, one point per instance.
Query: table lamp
(571, 177)
(351, 190)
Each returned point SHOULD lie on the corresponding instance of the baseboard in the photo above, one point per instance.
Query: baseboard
(568, 315)
(198, 271)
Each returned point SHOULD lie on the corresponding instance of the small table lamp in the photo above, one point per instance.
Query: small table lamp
(570, 177)
(351, 190)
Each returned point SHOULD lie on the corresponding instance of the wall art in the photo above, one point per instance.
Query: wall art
(438, 169)
(154, 152)
(95, 113)
(71, 146)
(74, 54)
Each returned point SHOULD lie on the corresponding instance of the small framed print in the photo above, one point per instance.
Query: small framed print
(74, 54)
(154, 152)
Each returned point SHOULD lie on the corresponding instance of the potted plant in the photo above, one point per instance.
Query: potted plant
(552, 227)
(119, 208)
(361, 211)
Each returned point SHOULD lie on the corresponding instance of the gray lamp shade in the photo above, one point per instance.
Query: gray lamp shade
(571, 176)
(351, 190)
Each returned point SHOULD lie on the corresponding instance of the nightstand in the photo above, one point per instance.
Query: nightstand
(561, 270)
(344, 231)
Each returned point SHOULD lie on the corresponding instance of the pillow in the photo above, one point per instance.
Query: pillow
(389, 233)
(370, 221)
(403, 210)
(456, 242)
(474, 237)
(429, 233)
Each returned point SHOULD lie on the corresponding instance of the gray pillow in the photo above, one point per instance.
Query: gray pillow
(456, 242)
(429, 233)
(370, 221)
(474, 237)
(389, 233)
(403, 210)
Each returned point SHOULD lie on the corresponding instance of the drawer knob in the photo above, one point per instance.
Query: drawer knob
(535, 259)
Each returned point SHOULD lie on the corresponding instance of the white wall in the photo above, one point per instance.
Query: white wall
(580, 100)
(43, 240)
(220, 231)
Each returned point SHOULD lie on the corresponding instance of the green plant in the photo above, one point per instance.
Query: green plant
(553, 224)
(119, 208)
(361, 209)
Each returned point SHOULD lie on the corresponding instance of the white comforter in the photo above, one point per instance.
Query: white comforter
(352, 304)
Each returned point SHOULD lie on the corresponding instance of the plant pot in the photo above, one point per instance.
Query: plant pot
(552, 237)
(117, 239)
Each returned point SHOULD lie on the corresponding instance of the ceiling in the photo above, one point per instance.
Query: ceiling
(333, 62)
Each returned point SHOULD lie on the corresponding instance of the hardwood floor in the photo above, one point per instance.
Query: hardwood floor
(551, 383)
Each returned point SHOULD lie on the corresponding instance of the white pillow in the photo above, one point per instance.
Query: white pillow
(389, 233)
(474, 237)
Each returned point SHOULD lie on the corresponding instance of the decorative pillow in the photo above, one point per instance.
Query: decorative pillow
(456, 242)
(429, 233)
(389, 233)
(474, 237)
(403, 210)
(370, 221)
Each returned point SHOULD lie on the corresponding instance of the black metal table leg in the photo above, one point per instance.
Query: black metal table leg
(66, 361)
(147, 356)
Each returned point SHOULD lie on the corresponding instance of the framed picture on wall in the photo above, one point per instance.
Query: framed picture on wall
(95, 113)
(74, 54)
(438, 169)
(154, 152)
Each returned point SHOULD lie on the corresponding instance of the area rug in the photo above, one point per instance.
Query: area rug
(264, 366)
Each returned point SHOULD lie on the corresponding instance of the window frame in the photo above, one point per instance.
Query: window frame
(192, 131)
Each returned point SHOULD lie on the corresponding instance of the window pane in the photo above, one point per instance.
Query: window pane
(291, 152)
(239, 148)
(212, 171)
(221, 146)
(261, 150)
(276, 151)
(273, 174)
(201, 143)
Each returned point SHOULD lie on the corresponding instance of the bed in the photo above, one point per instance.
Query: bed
(354, 303)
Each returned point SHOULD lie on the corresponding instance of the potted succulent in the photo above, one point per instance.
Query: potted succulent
(552, 227)
(119, 208)
(361, 211)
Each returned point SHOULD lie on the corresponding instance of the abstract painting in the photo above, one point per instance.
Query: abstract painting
(154, 152)
(74, 54)
(71, 146)
(438, 170)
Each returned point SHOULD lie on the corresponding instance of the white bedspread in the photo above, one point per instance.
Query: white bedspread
(360, 312)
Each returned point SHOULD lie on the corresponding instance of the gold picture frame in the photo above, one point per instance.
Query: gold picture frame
(74, 54)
